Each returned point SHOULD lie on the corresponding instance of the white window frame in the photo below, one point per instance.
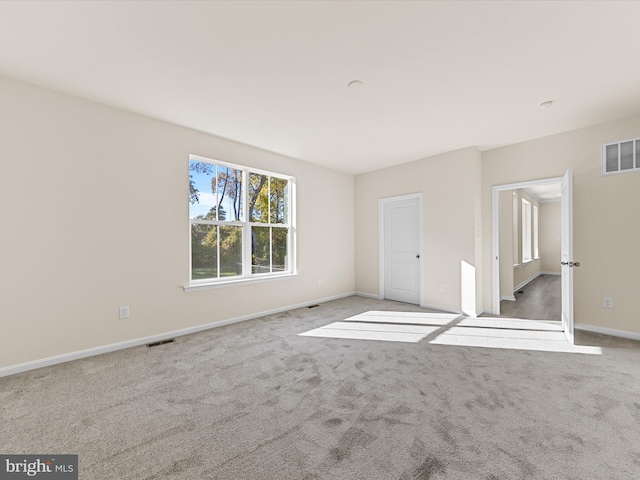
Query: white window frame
(526, 231)
(635, 161)
(536, 252)
(516, 248)
(247, 276)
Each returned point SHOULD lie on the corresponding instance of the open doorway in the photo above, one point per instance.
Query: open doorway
(529, 252)
(524, 210)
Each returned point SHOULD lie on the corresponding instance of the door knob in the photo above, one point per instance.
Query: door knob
(571, 264)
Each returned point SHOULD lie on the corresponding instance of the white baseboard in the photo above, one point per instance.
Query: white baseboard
(433, 307)
(90, 352)
(608, 331)
(368, 295)
(422, 305)
(530, 279)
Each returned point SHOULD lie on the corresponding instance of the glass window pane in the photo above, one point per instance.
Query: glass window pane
(637, 153)
(626, 155)
(260, 249)
(229, 194)
(202, 190)
(230, 250)
(279, 250)
(612, 158)
(220, 194)
(204, 251)
(278, 200)
(258, 198)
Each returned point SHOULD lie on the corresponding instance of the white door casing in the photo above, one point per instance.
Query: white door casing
(400, 245)
(566, 253)
(566, 232)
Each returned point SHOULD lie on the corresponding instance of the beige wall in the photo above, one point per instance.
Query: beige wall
(450, 185)
(606, 229)
(512, 274)
(525, 272)
(95, 216)
(94, 208)
(550, 237)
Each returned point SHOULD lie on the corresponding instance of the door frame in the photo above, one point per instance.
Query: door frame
(495, 231)
(381, 223)
(566, 254)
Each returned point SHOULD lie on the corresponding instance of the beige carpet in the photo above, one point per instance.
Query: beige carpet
(257, 400)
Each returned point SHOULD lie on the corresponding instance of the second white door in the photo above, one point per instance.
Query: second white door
(402, 250)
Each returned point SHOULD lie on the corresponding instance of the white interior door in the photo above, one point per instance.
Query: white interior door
(566, 213)
(402, 250)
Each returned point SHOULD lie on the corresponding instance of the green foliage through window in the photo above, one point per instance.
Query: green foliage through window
(222, 240)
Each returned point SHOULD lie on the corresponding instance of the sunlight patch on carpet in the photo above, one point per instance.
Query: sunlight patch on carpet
(384, 326)
(418, 318)
(511, 323)
(512, 334)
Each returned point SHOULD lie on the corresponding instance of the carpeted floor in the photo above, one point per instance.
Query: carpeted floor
(256, 400)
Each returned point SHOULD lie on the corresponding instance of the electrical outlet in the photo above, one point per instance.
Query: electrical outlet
(321, 282)
(607, 302)
(123, 312)
(441, 287)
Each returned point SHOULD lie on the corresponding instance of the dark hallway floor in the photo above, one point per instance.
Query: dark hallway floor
(540, 299)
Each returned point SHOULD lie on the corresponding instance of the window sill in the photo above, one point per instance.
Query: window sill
(232, 283)
(516, 265)
(537, 258)
(524, 262)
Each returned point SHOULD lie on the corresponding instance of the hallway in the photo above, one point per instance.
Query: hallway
(540, 299)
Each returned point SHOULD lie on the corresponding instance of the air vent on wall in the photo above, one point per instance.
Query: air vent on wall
(621, 157)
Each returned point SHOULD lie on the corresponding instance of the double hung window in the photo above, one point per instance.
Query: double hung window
(241, 220)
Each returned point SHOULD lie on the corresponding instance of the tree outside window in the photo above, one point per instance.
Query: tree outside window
(225, 244)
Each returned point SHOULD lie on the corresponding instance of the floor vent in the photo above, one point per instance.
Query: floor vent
(161, 342)
(313, 306)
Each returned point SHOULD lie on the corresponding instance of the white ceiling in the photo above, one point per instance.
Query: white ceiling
(545, 193)
(437, 76)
